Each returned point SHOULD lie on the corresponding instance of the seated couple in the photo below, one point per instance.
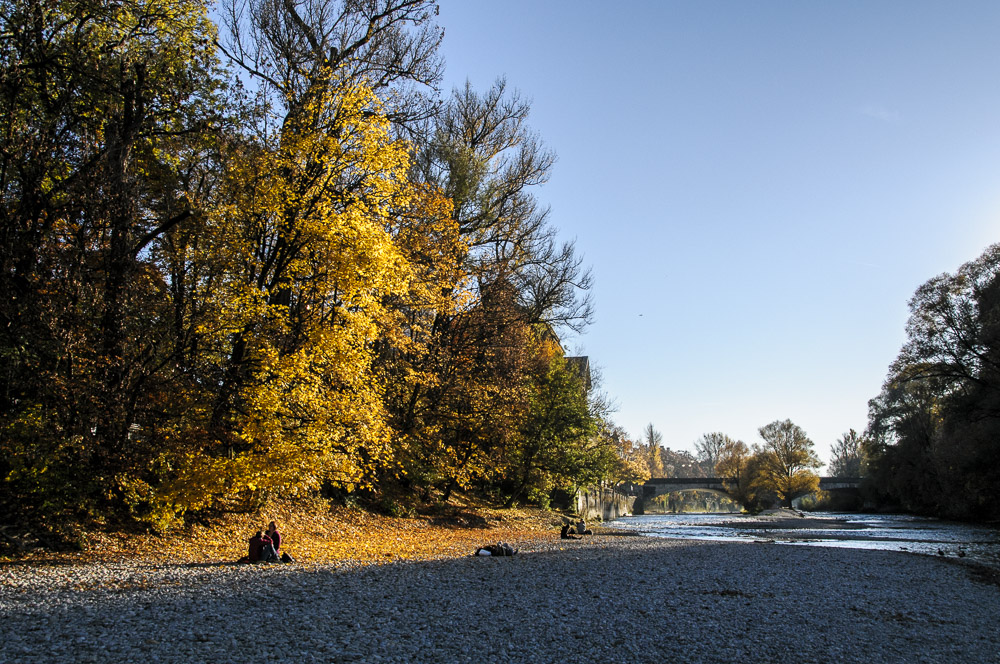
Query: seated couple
(265, 547)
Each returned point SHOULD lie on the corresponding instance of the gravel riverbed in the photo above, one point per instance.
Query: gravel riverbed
(607, 598)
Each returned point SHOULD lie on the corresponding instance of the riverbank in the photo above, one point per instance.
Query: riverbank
(315, 531)
(612, 598)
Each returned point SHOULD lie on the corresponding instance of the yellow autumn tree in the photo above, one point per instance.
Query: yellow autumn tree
(630, 466)
(303, 240)
(786, 461)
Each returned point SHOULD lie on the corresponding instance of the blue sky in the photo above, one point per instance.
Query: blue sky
(759, 188)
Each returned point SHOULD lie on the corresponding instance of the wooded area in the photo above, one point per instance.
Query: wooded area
(268, 257)
(933, 443)
(257, 252)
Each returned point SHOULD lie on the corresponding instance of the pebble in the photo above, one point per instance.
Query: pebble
(607, 598)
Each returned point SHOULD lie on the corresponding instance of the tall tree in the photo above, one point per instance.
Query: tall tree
(787, 459)
(652, 445)
(513, 287)
(732, 459)
(743, 474)
(302, 247)
(481, 153)
(389, 45)
(934, 427)
(558, 443)
(630, 466)
(848, 456)
(102, 101)
(709, 449)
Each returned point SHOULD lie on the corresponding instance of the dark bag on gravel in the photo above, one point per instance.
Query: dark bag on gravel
(285, 558)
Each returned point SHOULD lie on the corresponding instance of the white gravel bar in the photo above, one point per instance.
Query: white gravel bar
(607, 598)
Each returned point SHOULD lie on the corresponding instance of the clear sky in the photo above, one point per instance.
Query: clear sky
(759, 187)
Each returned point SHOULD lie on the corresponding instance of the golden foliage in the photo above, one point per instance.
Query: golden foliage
(303, 242)
(315, 532)
(243, 291)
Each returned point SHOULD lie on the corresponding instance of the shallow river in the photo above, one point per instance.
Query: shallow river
(894, 532)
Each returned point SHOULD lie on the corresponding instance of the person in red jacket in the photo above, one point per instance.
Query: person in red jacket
(261, 548)
(275, 537)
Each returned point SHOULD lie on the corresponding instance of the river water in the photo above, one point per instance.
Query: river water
(895, 532)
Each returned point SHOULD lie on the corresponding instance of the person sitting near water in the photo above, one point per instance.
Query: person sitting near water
(565, 532)
(581, 528)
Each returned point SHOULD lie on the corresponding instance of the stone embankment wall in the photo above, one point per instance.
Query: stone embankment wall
(603, 504)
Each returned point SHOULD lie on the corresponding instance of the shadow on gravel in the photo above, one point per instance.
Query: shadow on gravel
(723, 602)
(978, 572)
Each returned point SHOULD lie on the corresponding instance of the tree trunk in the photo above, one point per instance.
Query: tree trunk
(118, 399)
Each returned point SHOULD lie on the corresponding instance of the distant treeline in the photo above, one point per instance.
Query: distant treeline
(775, 471)
(932, 445)
(268, 257)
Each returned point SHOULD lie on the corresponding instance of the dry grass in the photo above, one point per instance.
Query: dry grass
(314, 531)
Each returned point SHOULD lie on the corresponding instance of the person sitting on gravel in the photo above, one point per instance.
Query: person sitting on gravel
(498, 549)
(565, 532)
(261, 549)
(276, 539)
(581, 528)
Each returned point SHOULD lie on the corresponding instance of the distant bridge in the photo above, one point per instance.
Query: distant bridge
(661, 485)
